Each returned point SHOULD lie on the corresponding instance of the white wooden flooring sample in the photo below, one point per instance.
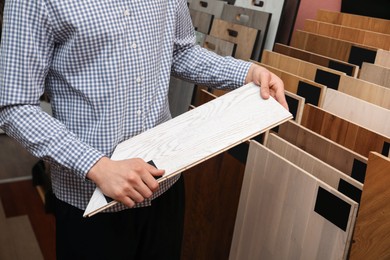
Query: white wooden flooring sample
(286, 213)
(199, 134)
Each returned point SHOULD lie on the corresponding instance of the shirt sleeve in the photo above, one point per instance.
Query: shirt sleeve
(26, 51)
(199, 65)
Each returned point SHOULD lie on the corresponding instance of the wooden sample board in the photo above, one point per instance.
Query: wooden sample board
(221, 47)
(355, 21)
(358, 111)
(274, 7)
(375, 74)
(286, 213)
(316, 167)
(201, 21)
(244, 37)
(371, 236)
(328, 151)
(360, 36)
(342, 66)
(259, 20)
(208, 6)
(179, 95)
(296, 104)
(199, 134)
(334, 48)
(344, 132)
(383, 58)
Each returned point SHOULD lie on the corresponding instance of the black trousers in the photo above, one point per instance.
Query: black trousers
(153, 232)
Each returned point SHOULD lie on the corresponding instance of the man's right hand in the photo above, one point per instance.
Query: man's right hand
(128, 181)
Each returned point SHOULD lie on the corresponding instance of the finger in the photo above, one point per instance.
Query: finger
(127, 201)
(135, 196)
(264, 84)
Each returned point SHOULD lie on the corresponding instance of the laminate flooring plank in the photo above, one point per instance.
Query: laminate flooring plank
(372, 231)
(316, 167)
(208, 6)
(375, 74)
(358, 111)
(383, 58)
(202, 21)
(281, 215)
(296, 104)
(219, 46)
(344, 132)
(203, 96)
(200, 134)
(245, 37)
(180, 95)
(342, 66)
(332, 153)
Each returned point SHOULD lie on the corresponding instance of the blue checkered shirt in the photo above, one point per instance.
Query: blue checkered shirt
(105, 66)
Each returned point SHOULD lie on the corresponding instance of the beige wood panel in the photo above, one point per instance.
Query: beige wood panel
(313, 165)
(334, 48)
(383, 58)
(355, 21)
(244, 37)
(221, 47)
(199, 134)
(372, 231)
(296, 105)
(313, 92)
(360, 36)
(344, 132)
(275, 218)
(365, 90)
(332, 153)
(202, 96)
(349, 69)
(375, 74)
(358, 111)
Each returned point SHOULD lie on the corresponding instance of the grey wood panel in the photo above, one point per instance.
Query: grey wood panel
(179, 95)
(252, 18)
(376, 74)
(199, 134)
(275, 218)
(201, 21)
(334, 154)
(212, 7)
(316, 167)
(219, 46)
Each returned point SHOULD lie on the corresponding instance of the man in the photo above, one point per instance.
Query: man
(105, 66)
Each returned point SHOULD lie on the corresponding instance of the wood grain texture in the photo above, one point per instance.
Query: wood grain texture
(350, 69)
(294, 83)
(275, 218)
(344, 132)
(310, 163)
(244, 37)
(200, 134)
(208, 6)
(355, 21)
(365, 90)
(202, 21)
(372, 231)
(202, 96)
(358, 111)
(219, 46)
(360, 36)
(383, 58)
(375, 74)
(179, 95)
(296, 105)
(259, 20)
(323, 148)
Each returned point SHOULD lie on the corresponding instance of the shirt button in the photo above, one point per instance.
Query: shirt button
(126, 12)
(134, 45)
(139, 112)
(139, 79)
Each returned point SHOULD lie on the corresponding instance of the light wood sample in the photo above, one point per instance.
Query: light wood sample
(244, 37)
(316, 167)
(372, 231)
(344, 132)
(358, 111)
(199, 134)
(382, 58)
(376, 74)
(350, 69)
(219, 46)
(332, 153)
(281, 214)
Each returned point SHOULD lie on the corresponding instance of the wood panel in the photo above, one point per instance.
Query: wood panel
(179, 95)
(221, 47)
(202, 21)
(332, 153)
(244, 37)
(375, 74)
(281, 213)
(334, 48)
(344, 132)
(355, 21)
(208, 6)
(259, 20)
(313, 92)
(372, 231)
(358, 111)
(350, 69)
(383, 58)
(296, 105)
(199, 134)
(202, 96)
(316, 167)
(360, 36)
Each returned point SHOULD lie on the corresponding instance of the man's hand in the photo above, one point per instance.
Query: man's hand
(269, 82)
(127, 181)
